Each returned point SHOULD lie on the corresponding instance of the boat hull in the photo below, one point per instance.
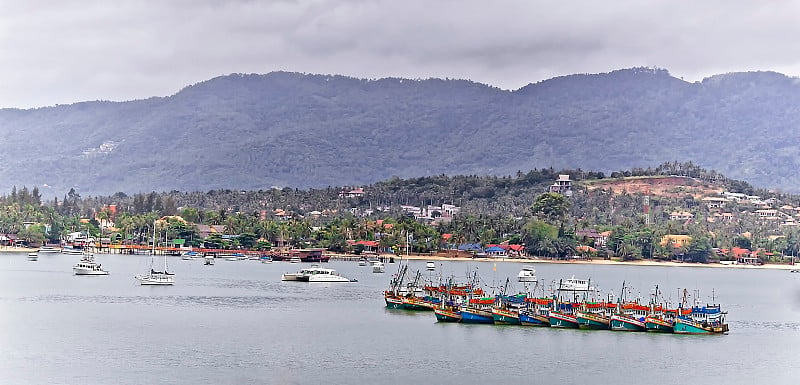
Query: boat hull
(657, 325)
(625, 323)
(475, 316)
(592, 321)
(84, 271)
(414, 303)
(562, 320)
(690, 327)
(447, 315)
(533, 320)
(155, 280)
(505, 317)
(393, 302)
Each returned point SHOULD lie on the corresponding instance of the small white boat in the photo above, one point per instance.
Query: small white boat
(153, 277)
(208, 260)
(33, 256)
(190, 255)
(316, 274)
(575, 284)
(266, 259)
(72, 250)
(527, 274)
(430, 265)
(87, 266)
(362, 262)
(294, 260)
(156, 278)
(49, 249)
(378, 267)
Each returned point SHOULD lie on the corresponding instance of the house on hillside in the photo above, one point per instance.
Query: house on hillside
(676, 240)
(354, 193)
(563, 185)
(680, 216)
(206, 231)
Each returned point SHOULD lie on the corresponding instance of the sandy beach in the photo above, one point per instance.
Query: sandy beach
(596, 262)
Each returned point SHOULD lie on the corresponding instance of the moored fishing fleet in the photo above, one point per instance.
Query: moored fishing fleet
(571, 303)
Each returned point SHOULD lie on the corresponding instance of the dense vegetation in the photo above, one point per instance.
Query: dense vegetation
(512, 209)
(254, 132)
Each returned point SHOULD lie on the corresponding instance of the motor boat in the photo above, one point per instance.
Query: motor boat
(88, 266)
(266, 259)
(316, 274)
(527, 274)
(33, 256)
(430, 265)
(575, 284)
(378, 267)
(49, 249)
(190, 255)
(362, 261)
(294, 260)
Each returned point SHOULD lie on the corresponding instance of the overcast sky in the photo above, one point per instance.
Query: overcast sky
(64, 51)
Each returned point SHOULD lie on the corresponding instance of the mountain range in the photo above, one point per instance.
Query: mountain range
(253, 131)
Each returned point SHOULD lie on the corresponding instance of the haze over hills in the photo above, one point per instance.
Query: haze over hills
(298, 130)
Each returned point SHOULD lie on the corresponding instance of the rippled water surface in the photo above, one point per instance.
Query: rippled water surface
(237, 323)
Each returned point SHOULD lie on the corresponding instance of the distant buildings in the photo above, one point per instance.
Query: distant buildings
(562, 186)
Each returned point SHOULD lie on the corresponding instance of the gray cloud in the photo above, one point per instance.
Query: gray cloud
(67, 51)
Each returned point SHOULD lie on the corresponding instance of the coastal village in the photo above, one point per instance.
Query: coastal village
(673, 214)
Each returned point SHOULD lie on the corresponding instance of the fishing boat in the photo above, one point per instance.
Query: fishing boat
(88, 266)
(708, 319)
(507, 307)
(595, 315)
(378, 267)
(563, 316)
(446, 313)
(630, 318)
(155, 277)
(536, 313)
(478, 310)
(661, 319)
(527, 274)
(630, 314)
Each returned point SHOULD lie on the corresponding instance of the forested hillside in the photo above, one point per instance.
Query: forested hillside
(296, 130)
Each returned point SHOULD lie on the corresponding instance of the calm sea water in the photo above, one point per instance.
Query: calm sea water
(237, 323)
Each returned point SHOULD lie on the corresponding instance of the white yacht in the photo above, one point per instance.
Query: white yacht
(430, 265)
(527, 274)
(49, 249)
(575, 284)
(72, 250)
(316, 274)
(378, 267)
(87, 266)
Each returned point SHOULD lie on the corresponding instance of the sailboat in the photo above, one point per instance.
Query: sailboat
(156, 278)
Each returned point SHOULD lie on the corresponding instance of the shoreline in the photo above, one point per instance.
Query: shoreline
(606, 262)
